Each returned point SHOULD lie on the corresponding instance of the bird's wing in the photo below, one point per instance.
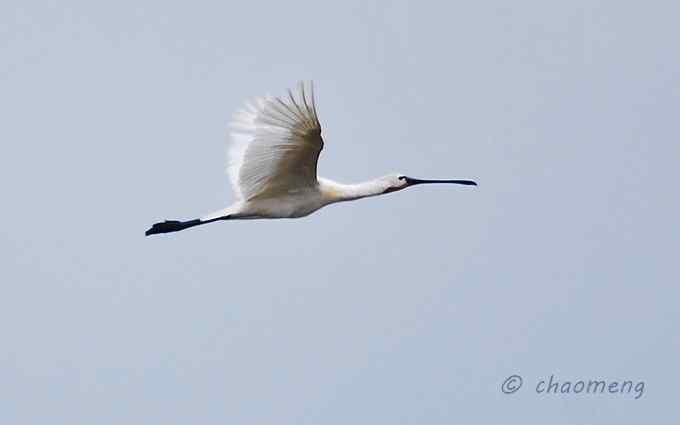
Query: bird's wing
(275, 145)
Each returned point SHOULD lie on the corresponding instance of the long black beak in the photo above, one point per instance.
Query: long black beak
(411, 181)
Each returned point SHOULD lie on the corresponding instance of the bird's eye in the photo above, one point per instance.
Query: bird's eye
(402, 177)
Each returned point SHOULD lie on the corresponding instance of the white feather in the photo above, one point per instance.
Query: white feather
(275, 145)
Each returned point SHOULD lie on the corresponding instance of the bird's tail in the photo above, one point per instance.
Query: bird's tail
(175, 225)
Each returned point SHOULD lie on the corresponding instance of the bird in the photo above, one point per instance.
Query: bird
(272, 165)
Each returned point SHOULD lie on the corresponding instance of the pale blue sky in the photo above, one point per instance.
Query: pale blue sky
(406, 309)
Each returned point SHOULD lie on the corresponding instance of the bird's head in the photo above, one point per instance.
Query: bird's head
(395, 182)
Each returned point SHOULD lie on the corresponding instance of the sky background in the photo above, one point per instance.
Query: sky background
(411, 308)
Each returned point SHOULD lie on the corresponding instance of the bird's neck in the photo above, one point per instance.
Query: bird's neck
(339, 192)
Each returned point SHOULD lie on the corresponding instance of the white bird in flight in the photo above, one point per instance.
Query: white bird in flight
(272, 162)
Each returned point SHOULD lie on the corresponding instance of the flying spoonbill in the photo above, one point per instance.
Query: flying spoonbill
(272, 161)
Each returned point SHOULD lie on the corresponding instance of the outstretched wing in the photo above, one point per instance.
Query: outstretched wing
(275, 145)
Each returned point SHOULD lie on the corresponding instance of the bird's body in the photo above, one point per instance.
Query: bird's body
(301, 202)
(272, 165)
